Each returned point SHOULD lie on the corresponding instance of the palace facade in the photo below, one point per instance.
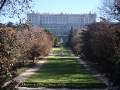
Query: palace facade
(61, 24)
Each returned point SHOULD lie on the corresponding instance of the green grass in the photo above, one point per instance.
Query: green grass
(63, 72)
(21, 70)
(59, 50)
(23, 67)
(54, 49)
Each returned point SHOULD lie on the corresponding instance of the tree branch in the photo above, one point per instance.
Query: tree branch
(2, 3)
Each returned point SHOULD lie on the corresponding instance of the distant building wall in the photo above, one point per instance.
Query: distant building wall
(61, 24)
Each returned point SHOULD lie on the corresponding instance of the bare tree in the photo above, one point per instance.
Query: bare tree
(111, 9)
(2, 3)
(14, 8)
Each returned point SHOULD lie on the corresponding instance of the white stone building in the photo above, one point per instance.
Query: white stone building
(61, 24)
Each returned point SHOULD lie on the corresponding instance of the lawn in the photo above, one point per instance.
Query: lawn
(57, 51)
(63, 72)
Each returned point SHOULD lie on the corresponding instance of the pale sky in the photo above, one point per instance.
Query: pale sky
(62, 6)
(66, 6)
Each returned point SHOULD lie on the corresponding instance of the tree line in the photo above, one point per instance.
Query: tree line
(99, 45)
(19, 46)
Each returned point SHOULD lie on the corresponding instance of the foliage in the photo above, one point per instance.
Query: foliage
(34, 42)
(100, 46)
(10, 24)
(111, 9)
(7, 52)
(19, 45)
(75, 41)
(14, 8)
(56, 42)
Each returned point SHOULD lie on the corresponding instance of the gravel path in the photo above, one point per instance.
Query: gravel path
(22, 77)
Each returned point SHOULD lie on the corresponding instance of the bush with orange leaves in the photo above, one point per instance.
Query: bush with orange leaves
(34, 42)
(26, 42)
(7, 52)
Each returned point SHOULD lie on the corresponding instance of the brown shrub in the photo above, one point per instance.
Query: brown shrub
(7, 52)
(35, 42)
